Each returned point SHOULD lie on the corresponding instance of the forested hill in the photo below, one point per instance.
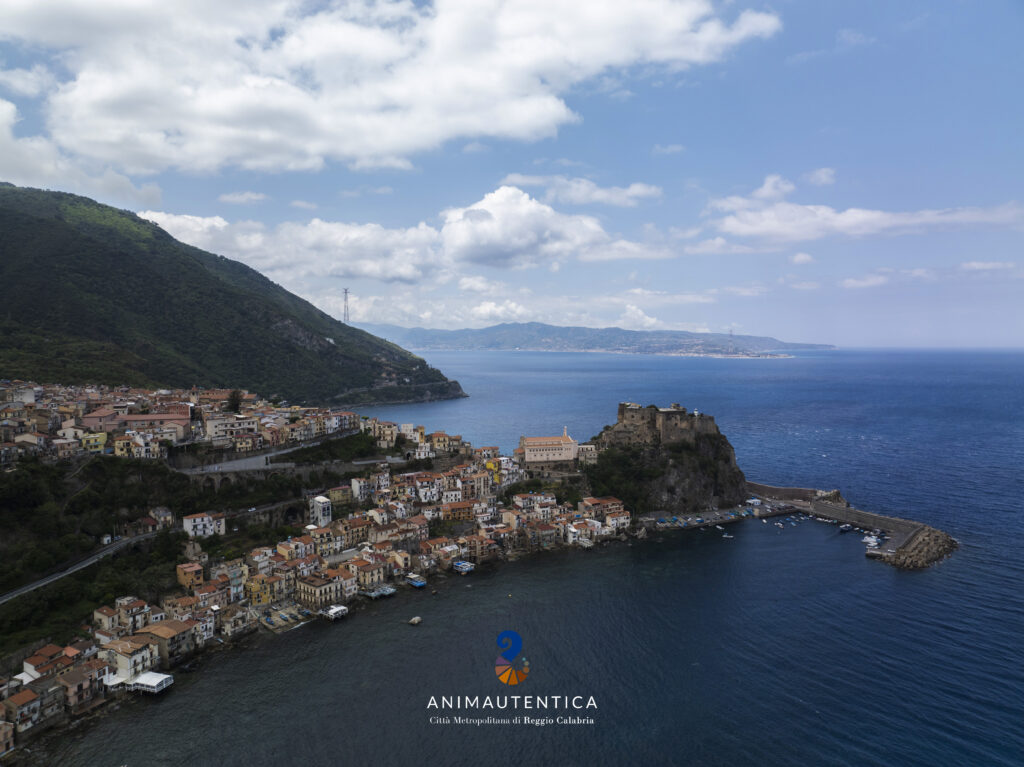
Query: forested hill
(536, 336)
(93, 294)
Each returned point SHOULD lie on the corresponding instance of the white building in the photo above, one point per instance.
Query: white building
(319, 511)
(360, 489)
(617, 520)
(204, 525)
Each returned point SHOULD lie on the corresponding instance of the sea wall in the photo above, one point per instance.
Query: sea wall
(912, 545)
(782, 493)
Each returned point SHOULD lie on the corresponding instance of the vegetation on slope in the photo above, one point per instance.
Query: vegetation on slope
(51, 515)
(95, 294)
(676, 477)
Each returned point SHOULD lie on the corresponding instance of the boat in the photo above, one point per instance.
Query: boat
(719, 527)
(416, 580)
(764, 521)
(381, 591)
(845, 528)
(415, 621)
(779, 524)
(333, 612)
(726, 535)
(462, 567)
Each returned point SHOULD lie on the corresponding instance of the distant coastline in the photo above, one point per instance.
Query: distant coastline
(717, 355)
(540, 337)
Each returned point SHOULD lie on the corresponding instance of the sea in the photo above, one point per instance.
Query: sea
(779, 646)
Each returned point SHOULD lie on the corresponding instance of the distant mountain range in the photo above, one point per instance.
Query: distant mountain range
(536, 336)
(92, 294)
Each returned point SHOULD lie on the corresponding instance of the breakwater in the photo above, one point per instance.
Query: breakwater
(911, 546)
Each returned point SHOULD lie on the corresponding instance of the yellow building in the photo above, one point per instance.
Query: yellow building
(190, 575)
(257, 590)
(94, 443)
(123, 447)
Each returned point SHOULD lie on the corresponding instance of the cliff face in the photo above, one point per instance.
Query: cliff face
(697, 475)
(648, 473)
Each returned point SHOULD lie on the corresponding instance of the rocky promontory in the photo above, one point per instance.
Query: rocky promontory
(666, 459)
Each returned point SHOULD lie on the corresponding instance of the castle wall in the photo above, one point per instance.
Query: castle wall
(650, 426)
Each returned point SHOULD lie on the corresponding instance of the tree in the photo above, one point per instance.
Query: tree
(234, 401)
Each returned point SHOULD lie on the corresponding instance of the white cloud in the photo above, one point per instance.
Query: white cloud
(478, 284)
(801, 258)
(583, 191)
(293, 252)
(804, 286)
(291, 85)
(821, 177)
(508, 228)
(505, 229)
(870, 281)
(667, 149)
(746, 291)
(37, 161)
(634, 318)
(715, 246)
(27, 82)
(851, 38)
(792, 222)
(846, 40)
(774, 187)
(242, 198)
(986, 266)
(303, 204)
(360, 191)
(919, 273)
(489, 311)
(665, 298)
(685, 234)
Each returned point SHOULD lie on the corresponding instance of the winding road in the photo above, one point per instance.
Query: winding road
(92, 559)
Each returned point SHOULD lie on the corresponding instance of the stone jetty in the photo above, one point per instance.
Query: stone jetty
(912, 545)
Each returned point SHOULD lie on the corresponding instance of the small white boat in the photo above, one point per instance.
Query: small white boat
(334, 612)
(764, 521)
(719, 527)
(415, 621)
(726, 535)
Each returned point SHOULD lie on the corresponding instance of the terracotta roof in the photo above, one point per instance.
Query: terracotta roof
(23, 697)
(50, 651)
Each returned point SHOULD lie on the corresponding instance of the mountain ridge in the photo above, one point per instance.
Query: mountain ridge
(538, 336)
(100, 295)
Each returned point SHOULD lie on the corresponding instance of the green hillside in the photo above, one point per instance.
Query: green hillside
(95, 294)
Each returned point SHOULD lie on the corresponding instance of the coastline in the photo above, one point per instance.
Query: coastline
(916, 549)
(713, 355)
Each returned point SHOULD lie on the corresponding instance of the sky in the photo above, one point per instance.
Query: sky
(817, 171)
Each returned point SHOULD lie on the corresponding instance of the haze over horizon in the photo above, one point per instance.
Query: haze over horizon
(843, 174)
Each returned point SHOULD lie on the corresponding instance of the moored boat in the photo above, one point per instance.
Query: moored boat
(333, 612)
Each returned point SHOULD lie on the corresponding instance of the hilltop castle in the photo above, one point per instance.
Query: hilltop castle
(652, 425)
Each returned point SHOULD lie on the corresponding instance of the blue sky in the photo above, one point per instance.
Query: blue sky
(846, 173)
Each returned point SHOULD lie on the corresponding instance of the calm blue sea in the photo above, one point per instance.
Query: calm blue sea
(777, 647)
